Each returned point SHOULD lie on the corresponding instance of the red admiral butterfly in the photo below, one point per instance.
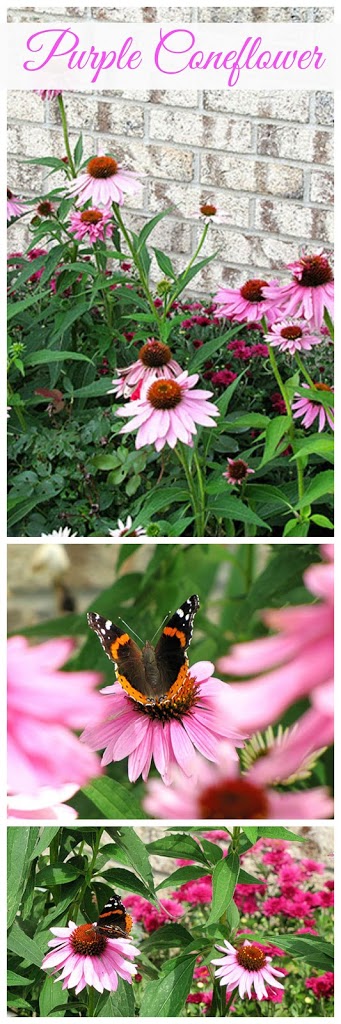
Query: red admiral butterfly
(113, 921)
(153, 674)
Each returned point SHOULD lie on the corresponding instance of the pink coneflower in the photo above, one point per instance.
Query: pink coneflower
(104, 182)
(311, 409)
(44, 706)
(48, 94)
(154, 361)
(246, 967)
(249, 302)
(87, 957)
(45, 208)
(292, 335)
(310, 292)
(170, 730)
(297, 662)
(237, 471)
(15, 207)
(127, 529)
(211, 213)
(168, 412)
(96, 224)
(221, 793)
(47, 805)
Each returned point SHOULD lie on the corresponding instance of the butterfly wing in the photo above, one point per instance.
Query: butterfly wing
(113, 918)
(170, 651)
(125, 654)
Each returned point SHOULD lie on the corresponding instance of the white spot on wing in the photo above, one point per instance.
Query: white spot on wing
(108, 624)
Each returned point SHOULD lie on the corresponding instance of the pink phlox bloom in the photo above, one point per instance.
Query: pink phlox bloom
(322, 986)
(292, 335)
(153, 917)
(310, 410)
(44, 706)
(233, 974)
(169, 423)
(130, 732)
(100, 971)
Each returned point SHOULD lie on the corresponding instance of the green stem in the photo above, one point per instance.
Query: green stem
(134, 255)
(229, 1003)
(303, 370)
(66, 136)
(235, 838)
(202, 496)
(284, 393)
(197, 510)
(91, 1002)
(179, 288)
(329, 323)
(88, 875)
(16, 409)
(105, 297)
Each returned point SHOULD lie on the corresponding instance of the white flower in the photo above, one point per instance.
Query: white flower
(62, 533)
(123, 530)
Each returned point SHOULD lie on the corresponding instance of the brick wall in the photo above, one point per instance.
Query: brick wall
(264, 157)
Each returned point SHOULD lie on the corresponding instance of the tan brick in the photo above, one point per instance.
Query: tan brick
(98, 115)
(321, 187)
(324, 108)
(265, 13)
(170, 235)
(281, 105)
(25, 106)
(175, 97)
(47, 14)
(292, 219)
(139, 14)
(201, 130)
(187, 201)
(155, 161)
(295, 143)
(251, 175)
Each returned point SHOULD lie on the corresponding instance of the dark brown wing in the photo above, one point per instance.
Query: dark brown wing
(125, 654)
(170, 651)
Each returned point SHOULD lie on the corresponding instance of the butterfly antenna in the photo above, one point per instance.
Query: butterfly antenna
(130, 629)
(160, 627)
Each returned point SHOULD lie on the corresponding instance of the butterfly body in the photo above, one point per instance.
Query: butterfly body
(152, 674)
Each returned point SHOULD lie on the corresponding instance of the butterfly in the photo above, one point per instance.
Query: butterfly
(152, 674)
(113, 921)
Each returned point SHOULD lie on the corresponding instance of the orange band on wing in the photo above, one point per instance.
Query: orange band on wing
(114, 648)
(130, 690)
(176, 687)
(171, 631)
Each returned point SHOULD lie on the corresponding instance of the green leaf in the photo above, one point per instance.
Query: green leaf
(251, 832)
(209, 348)
(166, 996)
(20, 841)
(274, 433)
(322, 485)
(94, 390)
(178, 845)
(322, 521)
(185, 874)
(22, 509)
(294, 528)
(113, 800)
(51, 996)
(24, 947)
(280, 832)
(123, 879)
(225, 877)
(118, 1004)
(169, 936)
(317, 444)
(128, 840)
(58, 875)
(229, 507)
(160, 498)
(51, 355)
(244, 878)
(164, 263)
(249, 419)
(45, 838)
(17, 979)
(14, 308)
(148, 228)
